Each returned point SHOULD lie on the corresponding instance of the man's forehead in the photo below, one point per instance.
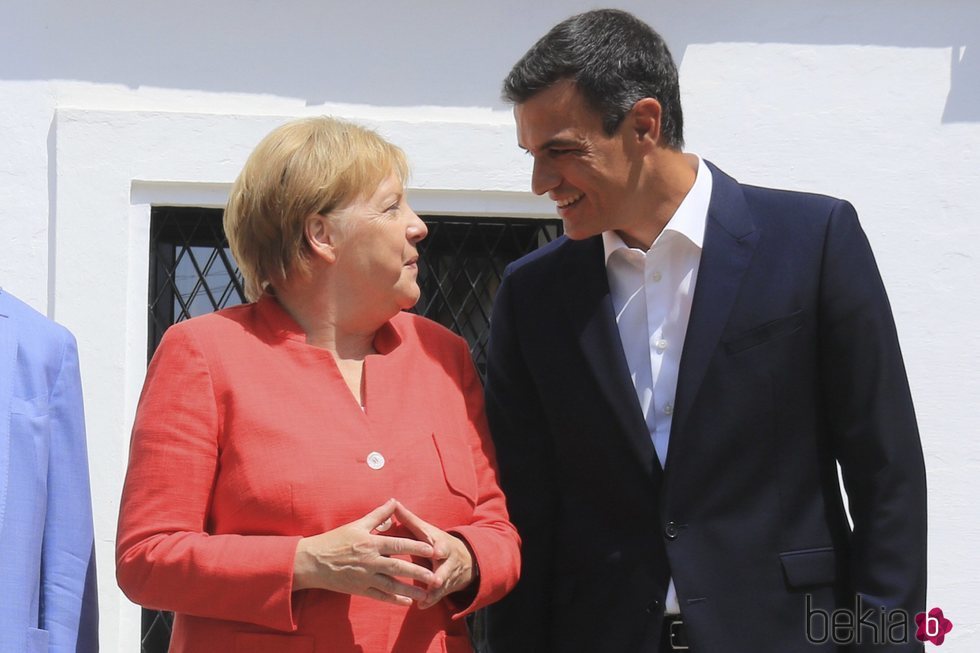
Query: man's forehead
(545, 124)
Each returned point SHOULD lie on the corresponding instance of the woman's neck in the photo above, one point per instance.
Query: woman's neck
(328, 327)
(347, 334)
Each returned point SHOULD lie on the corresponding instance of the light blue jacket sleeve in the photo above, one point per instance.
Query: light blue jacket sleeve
(68, 594)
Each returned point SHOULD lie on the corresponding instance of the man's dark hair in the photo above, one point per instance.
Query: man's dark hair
(614, 58)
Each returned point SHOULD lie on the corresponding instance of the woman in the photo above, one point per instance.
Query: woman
(312, 471)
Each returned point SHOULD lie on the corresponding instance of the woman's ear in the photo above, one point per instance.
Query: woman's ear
(321, 237)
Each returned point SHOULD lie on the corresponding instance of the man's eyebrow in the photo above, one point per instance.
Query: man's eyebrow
(553, 142)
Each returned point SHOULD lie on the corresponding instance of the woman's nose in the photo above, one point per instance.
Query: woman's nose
(417, 229)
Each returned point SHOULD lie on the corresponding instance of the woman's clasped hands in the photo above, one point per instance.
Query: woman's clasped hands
(358, 558)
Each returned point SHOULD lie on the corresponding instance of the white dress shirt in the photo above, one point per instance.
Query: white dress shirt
(652, 293)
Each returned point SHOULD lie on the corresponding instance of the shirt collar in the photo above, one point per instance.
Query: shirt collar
(688, 220)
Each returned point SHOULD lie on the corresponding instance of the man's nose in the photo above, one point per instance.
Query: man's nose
(543, 177)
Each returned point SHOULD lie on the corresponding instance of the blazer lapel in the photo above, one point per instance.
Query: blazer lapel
(590, 311)
(8, 359)
(729, 242)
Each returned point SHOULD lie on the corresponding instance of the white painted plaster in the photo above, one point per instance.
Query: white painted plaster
(112, 107)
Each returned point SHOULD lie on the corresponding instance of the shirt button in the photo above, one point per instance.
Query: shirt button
(656, 276)
(670, 531)
(668, 408)
(661, 345)
(375, 460)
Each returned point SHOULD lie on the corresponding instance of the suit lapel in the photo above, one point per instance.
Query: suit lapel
(729, 242)
(590, 311)
(8, 359)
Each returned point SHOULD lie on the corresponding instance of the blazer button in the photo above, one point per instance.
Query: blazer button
(653, 607)
(375, 460)
(670, 531)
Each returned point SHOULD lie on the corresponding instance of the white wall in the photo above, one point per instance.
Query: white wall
(109, 107)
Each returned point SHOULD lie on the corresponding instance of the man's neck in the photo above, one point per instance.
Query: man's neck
(668, 183)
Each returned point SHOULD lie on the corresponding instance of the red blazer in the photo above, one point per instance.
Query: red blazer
(247, 439)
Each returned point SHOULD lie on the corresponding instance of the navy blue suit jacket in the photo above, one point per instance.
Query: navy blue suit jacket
(791, 365)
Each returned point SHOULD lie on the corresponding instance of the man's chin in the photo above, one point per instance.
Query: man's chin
(578, 233)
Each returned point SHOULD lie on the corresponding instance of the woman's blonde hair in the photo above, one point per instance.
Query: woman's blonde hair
(312, 165)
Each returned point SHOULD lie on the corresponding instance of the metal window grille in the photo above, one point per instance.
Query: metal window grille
(192, 271)
(461, 262)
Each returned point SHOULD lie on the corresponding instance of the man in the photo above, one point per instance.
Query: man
(672, 384)
(47, 563)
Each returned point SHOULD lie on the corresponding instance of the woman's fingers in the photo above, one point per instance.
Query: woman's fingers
(418, 526)
(451, 574)
(378, 516)
(378, 595)
(393, 586)
(406, 569)
(357, 559)
(387, 546)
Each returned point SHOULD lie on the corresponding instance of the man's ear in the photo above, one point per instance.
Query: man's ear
(320, 236)
(645, 117)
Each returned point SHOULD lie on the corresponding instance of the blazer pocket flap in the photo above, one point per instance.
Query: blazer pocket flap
(457, 465)
(761, 333)
(809, 567)
(263, 643)
(37, 640)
